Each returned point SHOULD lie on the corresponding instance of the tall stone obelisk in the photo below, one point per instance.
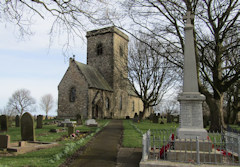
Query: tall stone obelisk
(191, 117)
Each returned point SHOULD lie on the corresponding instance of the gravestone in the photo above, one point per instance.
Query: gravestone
(135, 118)
(27, 127)
(4, 122)
(4, 141)
(66, 122)
(17, 121)
(191, 117)
(151, 117)
(71, 130)
(79, 119)
(91, 122)
(169, 118)
(39, 121)
(155, 118)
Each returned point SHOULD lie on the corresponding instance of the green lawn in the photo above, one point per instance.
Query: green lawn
(51, 157)
(132, 138)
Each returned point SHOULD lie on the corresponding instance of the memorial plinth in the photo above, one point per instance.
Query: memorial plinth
(191, 118)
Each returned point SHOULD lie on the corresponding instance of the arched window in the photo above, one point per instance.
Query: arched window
(121, 51)
(120, 105)
(99, 49)
(72, 95)
(133, 106)
(107, 103)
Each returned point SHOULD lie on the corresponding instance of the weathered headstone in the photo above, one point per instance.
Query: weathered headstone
(135, 118)
(39, 121)
(66, 122)
(71, 130)
(17, 121)
(4, 141)
(151, 117)
(27, 127)
(91, 122)
(79, 119)
(169, 118)
(155, 118)
(4, 122)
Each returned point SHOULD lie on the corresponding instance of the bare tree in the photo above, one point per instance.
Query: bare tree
(217, 41)
(46, 103)
(7, 111)
(149, 74)
(70, 18)
(21, 101)
(232, 99)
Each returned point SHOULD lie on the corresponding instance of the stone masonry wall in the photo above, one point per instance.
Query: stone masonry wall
(103, 63)
(72, 78)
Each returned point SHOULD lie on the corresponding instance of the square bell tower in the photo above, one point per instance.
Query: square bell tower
(107, 51)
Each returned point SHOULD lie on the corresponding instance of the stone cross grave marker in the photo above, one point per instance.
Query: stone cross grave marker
(27, 127)
(4, 122)
(39, 121)
(17, 121)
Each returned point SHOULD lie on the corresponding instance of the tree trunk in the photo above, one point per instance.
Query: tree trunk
(229, 111)
(145, 107)
(216, 113)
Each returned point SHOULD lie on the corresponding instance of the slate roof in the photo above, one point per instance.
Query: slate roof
(93, 77)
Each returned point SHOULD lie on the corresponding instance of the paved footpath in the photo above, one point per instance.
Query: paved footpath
(103, 150)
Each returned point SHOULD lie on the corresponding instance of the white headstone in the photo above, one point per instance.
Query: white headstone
(91, 122)
(191, 118)
(66, 121)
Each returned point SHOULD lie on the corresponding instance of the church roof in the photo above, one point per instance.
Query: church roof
(93, 77)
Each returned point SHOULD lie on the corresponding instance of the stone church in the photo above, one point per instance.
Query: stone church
(100, 88)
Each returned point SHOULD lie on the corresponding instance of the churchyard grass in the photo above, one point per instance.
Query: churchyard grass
(46, 157)
(133, 138)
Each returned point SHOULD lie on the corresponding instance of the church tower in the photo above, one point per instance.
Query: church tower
(107, 51)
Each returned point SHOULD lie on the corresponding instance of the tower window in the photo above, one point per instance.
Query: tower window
(121, 51)
(133, 106)
(120, 103)
(99, 49)
(72, 96)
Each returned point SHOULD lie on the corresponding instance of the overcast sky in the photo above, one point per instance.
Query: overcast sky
(31, 64)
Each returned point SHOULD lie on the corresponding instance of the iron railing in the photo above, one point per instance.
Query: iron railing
(220, 147)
